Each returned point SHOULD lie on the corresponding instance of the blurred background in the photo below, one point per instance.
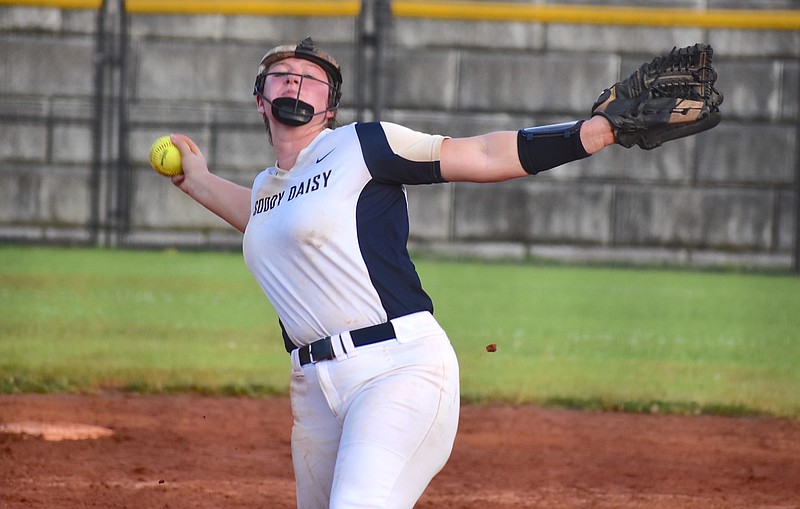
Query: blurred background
(87, 85)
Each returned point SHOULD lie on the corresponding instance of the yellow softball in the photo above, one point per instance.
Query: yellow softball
(165, 157)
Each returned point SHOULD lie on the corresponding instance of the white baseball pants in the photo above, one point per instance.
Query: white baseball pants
(373, 426)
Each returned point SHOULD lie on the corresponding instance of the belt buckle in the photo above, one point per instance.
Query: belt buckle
(321, 350)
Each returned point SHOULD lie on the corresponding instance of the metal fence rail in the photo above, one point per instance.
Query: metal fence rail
(748, 19)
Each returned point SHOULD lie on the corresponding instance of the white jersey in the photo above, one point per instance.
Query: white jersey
(326, 240)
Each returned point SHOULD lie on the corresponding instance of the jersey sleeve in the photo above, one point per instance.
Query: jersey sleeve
(398, 155)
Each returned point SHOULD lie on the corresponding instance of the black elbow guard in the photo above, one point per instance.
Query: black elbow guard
(544, 147)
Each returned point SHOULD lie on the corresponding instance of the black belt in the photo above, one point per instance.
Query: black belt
(322, 349)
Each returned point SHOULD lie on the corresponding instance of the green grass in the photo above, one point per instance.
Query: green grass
(618, 339)
(78, 319)
(622, 337)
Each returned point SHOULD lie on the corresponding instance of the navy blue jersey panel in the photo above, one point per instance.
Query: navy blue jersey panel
(382, 219)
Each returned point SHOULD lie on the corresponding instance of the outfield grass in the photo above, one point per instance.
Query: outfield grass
(606, 338)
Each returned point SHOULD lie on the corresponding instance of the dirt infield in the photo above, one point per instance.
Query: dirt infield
(198, 452)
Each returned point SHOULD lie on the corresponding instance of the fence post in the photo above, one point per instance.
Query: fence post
(797, 194)
(374, 31)
(111, 179)
(383, 32)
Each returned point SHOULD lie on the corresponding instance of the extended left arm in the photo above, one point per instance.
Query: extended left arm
(499, 156)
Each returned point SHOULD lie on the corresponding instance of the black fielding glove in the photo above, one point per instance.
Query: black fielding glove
(671, 97)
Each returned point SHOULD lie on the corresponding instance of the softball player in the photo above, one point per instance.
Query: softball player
(374, 379)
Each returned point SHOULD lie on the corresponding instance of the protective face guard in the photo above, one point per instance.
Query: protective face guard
(292, 111)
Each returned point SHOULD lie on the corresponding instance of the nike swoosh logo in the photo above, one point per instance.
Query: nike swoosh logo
(319, 159)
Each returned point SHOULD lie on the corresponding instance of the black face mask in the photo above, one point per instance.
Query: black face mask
(292, 111)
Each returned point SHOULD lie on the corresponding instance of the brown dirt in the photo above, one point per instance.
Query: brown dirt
(197, 452)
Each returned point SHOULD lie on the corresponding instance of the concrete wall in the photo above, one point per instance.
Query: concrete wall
(723, 197)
